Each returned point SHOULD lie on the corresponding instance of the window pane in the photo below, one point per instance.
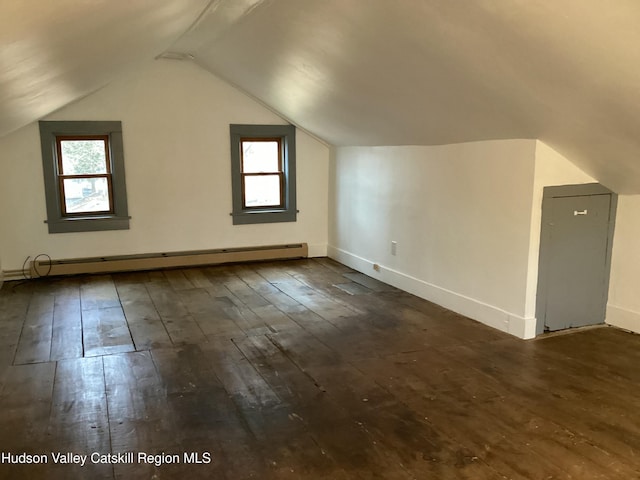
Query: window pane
(260, 156)
(262, 191)
(86, 195)
(81, 157)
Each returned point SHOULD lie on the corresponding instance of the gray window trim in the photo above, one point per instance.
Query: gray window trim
(244, 216)
(56, 221)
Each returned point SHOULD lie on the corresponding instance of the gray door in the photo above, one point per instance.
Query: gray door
(574, 261)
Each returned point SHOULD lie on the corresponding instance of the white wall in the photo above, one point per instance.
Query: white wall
(175, 120)
(461, 215)
(623, 308)
(466, 218)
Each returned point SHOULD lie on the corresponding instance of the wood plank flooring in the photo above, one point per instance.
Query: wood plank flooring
(295, 370)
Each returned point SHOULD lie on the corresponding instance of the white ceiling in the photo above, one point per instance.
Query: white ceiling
(362, 72)
(54, 52)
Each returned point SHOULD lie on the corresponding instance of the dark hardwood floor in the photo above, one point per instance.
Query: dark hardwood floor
(299, 369)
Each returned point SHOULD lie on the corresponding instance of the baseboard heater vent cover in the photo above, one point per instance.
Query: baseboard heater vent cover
(154, 261)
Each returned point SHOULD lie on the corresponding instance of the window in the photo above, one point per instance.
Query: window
(84, 173)
(263, 173)
(83, 164)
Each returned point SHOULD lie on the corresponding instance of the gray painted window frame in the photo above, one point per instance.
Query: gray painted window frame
(246, 216)
(56, 221)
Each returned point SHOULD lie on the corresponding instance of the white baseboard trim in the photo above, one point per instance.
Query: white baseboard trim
(495, 317)
(623, 318)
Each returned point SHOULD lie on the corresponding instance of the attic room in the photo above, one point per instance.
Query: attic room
(406, 311)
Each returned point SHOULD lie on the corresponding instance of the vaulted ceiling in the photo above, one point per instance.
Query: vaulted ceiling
(361, 72)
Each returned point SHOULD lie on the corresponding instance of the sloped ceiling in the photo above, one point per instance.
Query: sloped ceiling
(366, 72)
(55, 52)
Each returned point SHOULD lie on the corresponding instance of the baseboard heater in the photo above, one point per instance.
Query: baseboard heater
(154, 261)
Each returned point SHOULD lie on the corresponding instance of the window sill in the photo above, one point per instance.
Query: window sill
(248, 217)
(88, 224)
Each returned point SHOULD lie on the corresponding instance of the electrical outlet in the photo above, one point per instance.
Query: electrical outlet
(394, 247)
